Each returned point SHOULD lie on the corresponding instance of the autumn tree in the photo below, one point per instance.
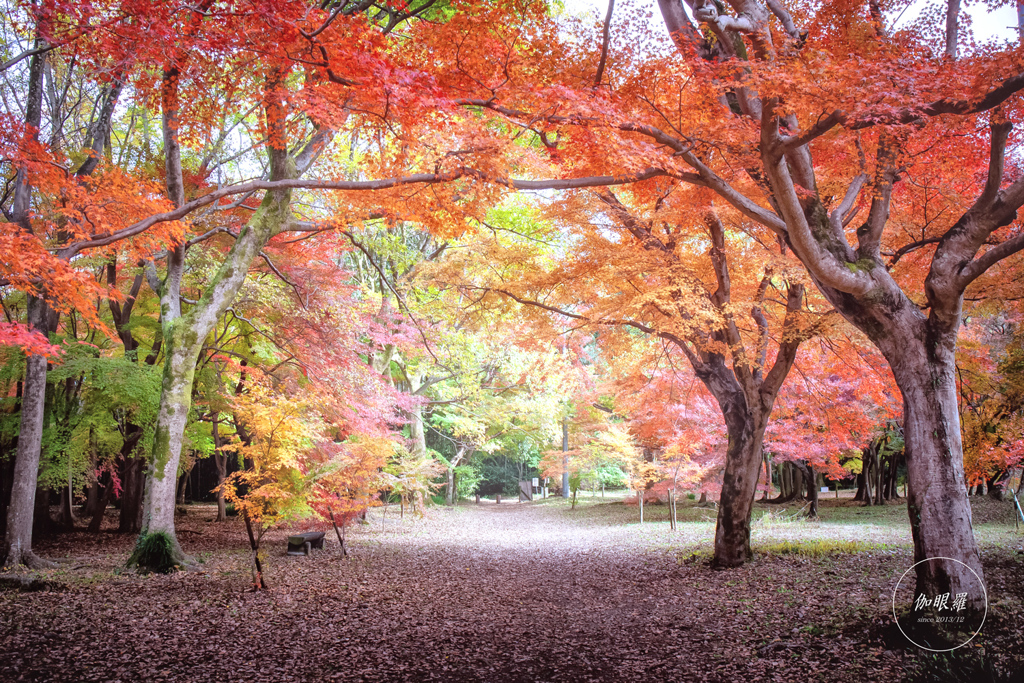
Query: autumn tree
(704, 288)
(882, 158)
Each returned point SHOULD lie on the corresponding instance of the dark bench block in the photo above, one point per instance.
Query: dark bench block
(300, 544)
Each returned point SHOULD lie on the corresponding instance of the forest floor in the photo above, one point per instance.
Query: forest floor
(511, 592)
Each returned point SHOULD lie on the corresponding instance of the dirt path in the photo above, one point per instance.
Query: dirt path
(488, 593)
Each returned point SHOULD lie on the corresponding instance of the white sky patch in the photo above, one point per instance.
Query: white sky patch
(987, 24)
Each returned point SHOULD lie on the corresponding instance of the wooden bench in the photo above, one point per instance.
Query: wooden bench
(301, 544)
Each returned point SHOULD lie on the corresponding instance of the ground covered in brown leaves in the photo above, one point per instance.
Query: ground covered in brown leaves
(530, 592)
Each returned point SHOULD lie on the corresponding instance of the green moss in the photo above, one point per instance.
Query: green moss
(862, 265)
(154, 553)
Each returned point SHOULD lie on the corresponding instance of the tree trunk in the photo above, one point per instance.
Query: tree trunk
(767, 478)
(183, 340)
(184, 334)
(175, 402)
(66, 521)
(42, 522)
(101, 506)
(221, 461)
(868, 464)
(182, 483)
(891, 492)
(996, 484)
(6, 477)
(254, 547)
(21, 512)
(811, 481)
(92, 495)
(788, 489)
(133, 484)
(417, 434)
(450, 494)
(879, 478)
(940, 514)
(341, 534)
(739, 485)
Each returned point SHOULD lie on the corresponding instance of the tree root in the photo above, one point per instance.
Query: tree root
(28, 559)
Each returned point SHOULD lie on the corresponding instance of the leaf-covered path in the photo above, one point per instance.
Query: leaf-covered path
(505, 592)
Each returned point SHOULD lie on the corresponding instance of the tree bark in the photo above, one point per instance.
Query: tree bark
(940, 515)
(185, 334)
(788, 489)
(739, 485)
(42, 522)
(221, 461)
(254, 546)
(21, 512)
(450, 493)
(66, 521)
(133, 484)
(17, 547)
(672, 508)
(101, 506)
(996, 484)
(810, 480)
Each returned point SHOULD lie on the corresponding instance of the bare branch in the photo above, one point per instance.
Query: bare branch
(784, 17)
(604, 46)
(997, 159)
(821, 126)
(869, 235)
(277, 272)
(839, 214)
(26, 54)
(913, 246)
(757, 313)
(791, 339)
(978, 266)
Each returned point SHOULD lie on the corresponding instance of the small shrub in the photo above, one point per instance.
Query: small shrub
(691, 496)
(155, 553)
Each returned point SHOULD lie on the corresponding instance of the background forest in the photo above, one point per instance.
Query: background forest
(306, 259)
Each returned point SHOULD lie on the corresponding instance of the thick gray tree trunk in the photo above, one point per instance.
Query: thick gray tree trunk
(18, 539)
(739, 486)
(20, 513)
(184, 334)
(183, 340)
(940, 512)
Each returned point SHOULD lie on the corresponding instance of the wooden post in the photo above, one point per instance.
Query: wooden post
(565, 458)
(672, 508)
(497, 499)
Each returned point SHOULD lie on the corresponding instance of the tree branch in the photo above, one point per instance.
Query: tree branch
(604, 45)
